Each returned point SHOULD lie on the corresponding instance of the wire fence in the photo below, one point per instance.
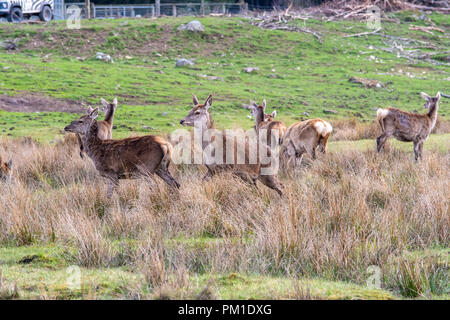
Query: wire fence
(150, 10)
(112, 11)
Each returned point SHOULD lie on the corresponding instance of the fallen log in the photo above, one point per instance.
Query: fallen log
(426, 29)
(363, 33)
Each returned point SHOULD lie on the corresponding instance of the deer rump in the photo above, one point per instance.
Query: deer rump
(305, 136)
(131, 157)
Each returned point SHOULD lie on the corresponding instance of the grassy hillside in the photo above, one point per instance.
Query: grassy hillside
(341, 216)
(297, 73)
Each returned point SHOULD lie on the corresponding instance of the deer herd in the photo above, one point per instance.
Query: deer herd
(148, 155)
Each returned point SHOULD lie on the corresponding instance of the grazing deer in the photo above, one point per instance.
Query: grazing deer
(263, 121)
(125, 158)
(249, 172)
(305, 137)
(105, 126)
(5, 170)
(407, 126)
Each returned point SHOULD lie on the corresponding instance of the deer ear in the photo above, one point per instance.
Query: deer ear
(208, 101)
(89, 109)
(254, 104)
(274, 113)
(104, 103)
(115, 103)
(438, 96)
(425, 96)
(264, 104)
(9, 164)
(195, 100)
(94, 114)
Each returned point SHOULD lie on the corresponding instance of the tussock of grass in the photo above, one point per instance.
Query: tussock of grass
(340, 215)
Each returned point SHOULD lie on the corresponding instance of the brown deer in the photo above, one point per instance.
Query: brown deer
(105, 126)
(249, 172)
(5, 170)
(264, 121)
(125, 158)
(407, 126)
(304, 137)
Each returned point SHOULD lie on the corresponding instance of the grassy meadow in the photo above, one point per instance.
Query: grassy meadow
(349, 217)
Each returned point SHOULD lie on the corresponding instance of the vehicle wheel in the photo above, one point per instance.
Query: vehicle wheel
(15, 15)
(46, 14)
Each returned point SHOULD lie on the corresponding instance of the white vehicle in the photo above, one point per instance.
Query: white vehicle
(16, 10)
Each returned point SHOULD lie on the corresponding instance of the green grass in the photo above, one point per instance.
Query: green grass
(47, 276)
(297, 73)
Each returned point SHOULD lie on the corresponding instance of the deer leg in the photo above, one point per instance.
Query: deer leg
(313, 153)
(272, 183)
(298, 159)
(113, 182)
(246, 178)
(323, 144)
(167, 177)
(208, 174)
(381, 140)
(418, 150)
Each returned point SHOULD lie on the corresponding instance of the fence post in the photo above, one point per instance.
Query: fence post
(87, 8)
(223, 9)
(93, 13)
(158, 7)
(202, 9)
(174, 10)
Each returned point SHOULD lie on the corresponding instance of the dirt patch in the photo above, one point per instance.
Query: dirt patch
(32, 102)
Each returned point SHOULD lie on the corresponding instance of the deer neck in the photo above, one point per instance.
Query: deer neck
(259, 118)
(90, 139)
(432, 113)
(109, 117)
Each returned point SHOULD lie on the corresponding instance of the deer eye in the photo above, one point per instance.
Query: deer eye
(197, 112)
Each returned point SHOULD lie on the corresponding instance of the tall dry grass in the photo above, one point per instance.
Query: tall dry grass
(340, 214)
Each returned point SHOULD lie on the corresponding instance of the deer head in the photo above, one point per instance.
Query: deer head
(83, 124)
(199, 114)
(258, 112)
(106, 105)
(6, 170)
(431, 102)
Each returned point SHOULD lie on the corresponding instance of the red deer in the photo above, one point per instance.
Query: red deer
(407, 126)
(263, 121)
(125, 158)
(304, 137)
(5, 170)
(105, 126)
(249, 172)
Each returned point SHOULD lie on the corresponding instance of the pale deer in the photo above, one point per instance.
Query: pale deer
(200, 117)
(104, 126)
(125, 158)
(5, 170)
(407, 126)
(265, 123)
(304, 137)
